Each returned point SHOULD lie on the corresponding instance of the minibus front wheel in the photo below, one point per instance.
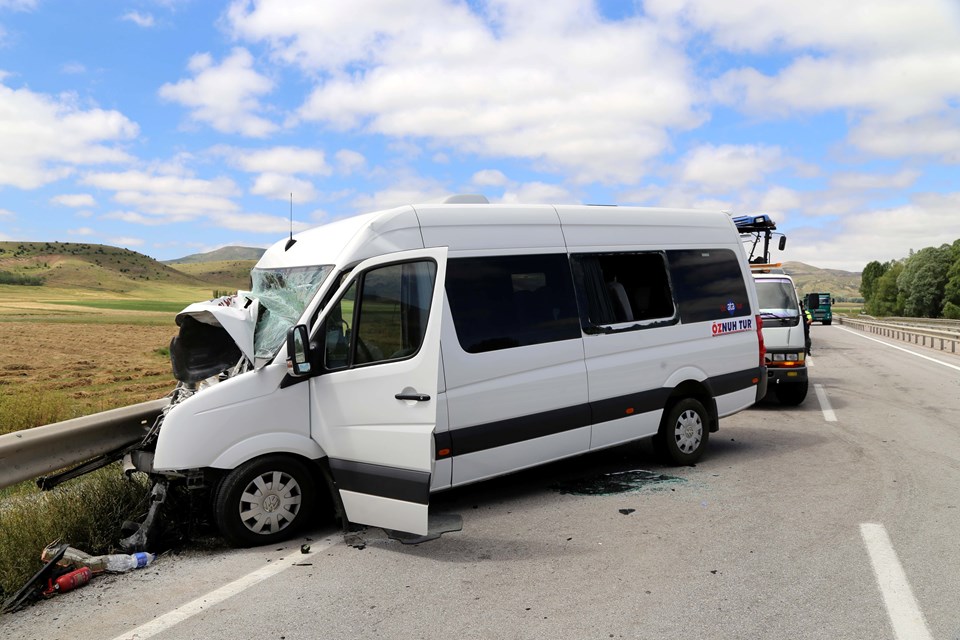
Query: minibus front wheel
(684, 432)
(264, 500)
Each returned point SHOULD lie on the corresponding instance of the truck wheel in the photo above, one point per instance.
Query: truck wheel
(264, 501)
(792, 393)
(684, 432)
(827, 322)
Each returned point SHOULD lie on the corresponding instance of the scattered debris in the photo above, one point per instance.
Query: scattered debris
(31, 591)
(304, 548)
(627, 512)
(66, 569)
(618, 482)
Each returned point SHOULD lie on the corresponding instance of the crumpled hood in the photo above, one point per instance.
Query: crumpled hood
(207, 329)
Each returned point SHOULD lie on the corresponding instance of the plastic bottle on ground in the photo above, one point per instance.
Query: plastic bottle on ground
(121, 562)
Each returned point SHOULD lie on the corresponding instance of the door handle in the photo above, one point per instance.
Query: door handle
(418, 397)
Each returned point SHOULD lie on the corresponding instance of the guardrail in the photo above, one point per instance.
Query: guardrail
(942, 340)
(31, 453)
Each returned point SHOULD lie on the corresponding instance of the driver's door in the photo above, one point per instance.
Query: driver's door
(374, 404)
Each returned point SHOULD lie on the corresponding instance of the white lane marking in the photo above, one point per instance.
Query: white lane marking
(905, 614)
(828, 413)
(192, 608)
(893, 346)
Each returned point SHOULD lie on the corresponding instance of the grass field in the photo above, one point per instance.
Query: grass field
(61, 360)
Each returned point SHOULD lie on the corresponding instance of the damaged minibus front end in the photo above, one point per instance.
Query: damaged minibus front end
(223, 354)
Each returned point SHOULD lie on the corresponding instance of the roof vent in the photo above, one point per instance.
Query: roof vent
(467, 198)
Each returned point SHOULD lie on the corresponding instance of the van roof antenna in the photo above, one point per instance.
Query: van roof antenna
(291, 241)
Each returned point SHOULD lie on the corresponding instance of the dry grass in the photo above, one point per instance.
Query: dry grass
(60, 362)
(51, 371)
(88, 513)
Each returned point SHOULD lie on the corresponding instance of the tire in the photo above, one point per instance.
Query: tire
(827, 322)
(792, 393)
(684, 432)
(264, 501)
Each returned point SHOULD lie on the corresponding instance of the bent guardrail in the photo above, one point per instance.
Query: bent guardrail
(942, 340)
(34, 452)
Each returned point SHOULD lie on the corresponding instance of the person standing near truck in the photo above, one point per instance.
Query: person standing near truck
(807, 321)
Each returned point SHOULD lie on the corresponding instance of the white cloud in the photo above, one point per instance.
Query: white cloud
(936, 135)
(509, 79)
(45, 138)
(929, 220)
(81, 231)
(226, 96)
(74, 200)
(19, 5)
(172, 197)
(729, 166)
(537, 193)
(258, 222)
(6, 213)
(856, 25)
(409, 190)
(892, 67)
(73, 68)
(349, 162)
(489, 178)
(286, 160)
(126, 241)
(153, 220)
(280, 187)
(144, 20)
(861, 181)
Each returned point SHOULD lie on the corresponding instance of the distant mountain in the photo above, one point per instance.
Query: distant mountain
(810, 279)
(93, 267)
(223, 254)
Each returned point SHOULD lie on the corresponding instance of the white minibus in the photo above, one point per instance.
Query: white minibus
(383, 357)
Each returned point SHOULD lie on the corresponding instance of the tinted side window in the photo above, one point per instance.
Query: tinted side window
(388, 321)
(708, 284)
(622, 287)
(511, 301)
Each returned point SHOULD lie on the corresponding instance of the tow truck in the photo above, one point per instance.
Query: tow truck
(783, 324)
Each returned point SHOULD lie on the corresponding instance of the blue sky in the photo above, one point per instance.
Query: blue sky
(177, 126)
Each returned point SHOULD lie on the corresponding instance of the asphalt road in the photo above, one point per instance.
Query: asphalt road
(837, 520)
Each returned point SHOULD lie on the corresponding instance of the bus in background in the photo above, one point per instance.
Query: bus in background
(819, 306)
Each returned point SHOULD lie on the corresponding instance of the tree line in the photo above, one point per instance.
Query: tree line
(926, 284)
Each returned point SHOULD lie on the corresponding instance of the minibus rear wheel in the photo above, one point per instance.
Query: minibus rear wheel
(264, 501)
(684, 432)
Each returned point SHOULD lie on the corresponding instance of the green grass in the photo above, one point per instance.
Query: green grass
(28, 408)
(162, 306)
(87, 513)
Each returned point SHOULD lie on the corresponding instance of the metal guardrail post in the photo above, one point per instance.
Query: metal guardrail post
(34, 452)
(918, 336)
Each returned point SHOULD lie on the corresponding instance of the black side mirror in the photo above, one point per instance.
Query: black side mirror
(298, 351)
(783, 243)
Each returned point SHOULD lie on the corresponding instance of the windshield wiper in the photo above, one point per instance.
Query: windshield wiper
(770, 314)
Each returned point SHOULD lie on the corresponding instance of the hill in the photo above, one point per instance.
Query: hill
(68, 269)
(223, 254)
(809, 279)
(88, 267)
(226, 274)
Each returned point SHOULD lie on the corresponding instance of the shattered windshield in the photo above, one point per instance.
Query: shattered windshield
(283, 296)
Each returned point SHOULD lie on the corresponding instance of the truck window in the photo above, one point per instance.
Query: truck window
(500, 302)
(708, 284)
(622, 287)
(382, 316)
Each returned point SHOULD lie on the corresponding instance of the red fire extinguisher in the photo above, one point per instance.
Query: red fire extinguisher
(68, 581)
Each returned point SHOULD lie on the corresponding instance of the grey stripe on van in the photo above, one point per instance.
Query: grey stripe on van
(481, 437)
(380, 480)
